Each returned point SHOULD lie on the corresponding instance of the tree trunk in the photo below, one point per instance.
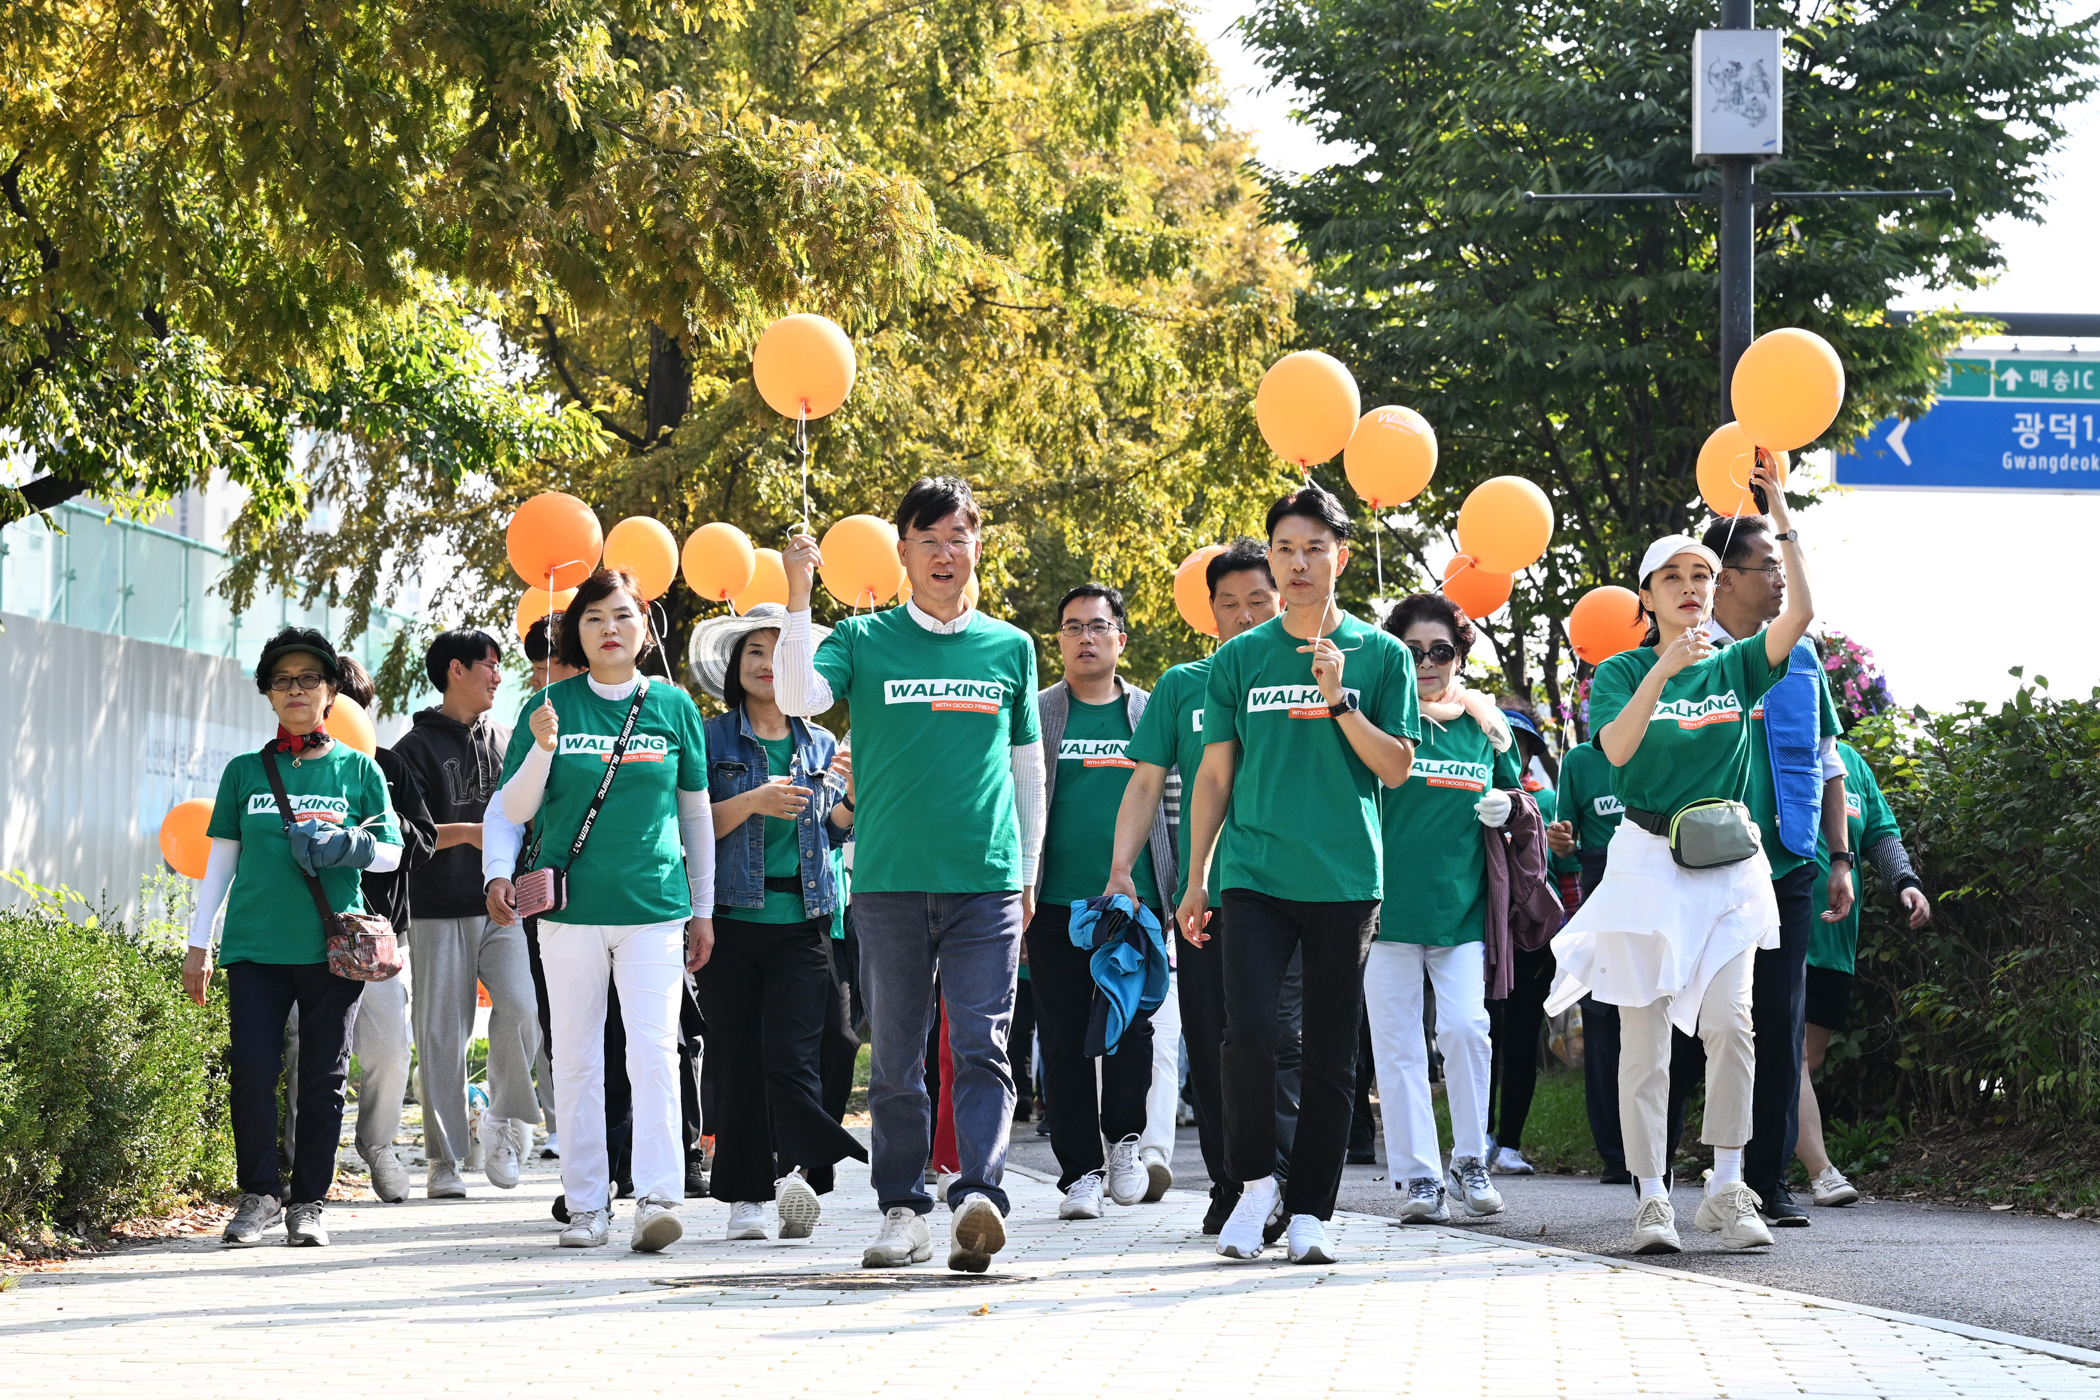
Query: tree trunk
(670, 393)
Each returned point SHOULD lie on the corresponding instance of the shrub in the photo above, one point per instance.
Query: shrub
(112, 1086)
(1993, 1012)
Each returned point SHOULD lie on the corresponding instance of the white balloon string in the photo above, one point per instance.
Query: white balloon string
(802, 451)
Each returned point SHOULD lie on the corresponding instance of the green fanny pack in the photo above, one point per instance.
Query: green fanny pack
(1706, 834)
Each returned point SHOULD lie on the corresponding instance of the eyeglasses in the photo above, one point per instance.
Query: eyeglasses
(935, 547)
(305, 680)
(1096, 628)
(1777, 568)
(1438, 654)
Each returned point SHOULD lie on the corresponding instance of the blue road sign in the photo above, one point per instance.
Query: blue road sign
(2033, 425)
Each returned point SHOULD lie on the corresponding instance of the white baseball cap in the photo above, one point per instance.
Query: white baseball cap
(1668, 548)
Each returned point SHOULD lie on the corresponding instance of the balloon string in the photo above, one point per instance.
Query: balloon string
(802, 452)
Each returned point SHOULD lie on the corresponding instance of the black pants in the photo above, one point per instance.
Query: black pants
(692, 1042)
(840, 1050)
(1334, 939)
(1201, 977)
(763, 995)
(260, 998)
(1513, 1027)
(1063, 989)
(1363, 1127)
(1020, 1047)
(1779, 1014)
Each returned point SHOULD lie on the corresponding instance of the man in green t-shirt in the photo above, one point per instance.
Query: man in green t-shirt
(1169, 739)
(1088, 718)
(948, 777)
(1308, 715)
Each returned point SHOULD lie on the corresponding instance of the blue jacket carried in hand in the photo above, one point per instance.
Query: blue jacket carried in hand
(1129, 964)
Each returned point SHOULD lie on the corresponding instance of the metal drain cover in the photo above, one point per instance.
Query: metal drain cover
(874, 1281)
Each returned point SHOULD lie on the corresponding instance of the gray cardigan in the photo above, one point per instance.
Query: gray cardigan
(1053, 706)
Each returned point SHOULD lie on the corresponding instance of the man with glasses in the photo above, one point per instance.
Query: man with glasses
(456, 754)
(1797, 784)
(1088, 718)
(1293, 762)
(948, 777)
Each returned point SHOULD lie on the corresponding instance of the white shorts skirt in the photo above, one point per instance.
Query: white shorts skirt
(1653, 929)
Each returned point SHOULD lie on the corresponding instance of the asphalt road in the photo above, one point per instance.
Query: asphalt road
(2033, 1275)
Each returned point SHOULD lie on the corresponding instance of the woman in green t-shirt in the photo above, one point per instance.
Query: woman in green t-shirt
(640, 894)
(1666, 944)
(274, 948)
(1433, 921)
(780, 793)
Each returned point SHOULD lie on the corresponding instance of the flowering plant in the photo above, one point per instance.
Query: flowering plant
(1856, 680)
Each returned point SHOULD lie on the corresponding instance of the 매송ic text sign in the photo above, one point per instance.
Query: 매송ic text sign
(2010, 423)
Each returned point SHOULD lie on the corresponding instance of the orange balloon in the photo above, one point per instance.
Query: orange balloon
(646, 549)
(535, 605)
(1307, 407)
(769, 582)
(1725, 460)
(183, 842)
(1192, 590)
(1391, 456)
(554, 533)
(1505, 523)
(1787, 389)
(1605, 622)
(861, 567)
(720, 562)
(803, 366)
(348, 722)
(970, 590)
(1476, 591)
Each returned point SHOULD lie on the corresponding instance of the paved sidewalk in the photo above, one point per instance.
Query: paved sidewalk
(471, 1298)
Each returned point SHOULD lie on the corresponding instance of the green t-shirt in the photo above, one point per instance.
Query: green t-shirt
(632, 870)
(270, 915)
(1697, 744)
(1170, 734)
(1433, 834)
(1868, 820)
(783, 849)
(935, 719)
(1303, 822)
(1093, 768)
(1585, 799)
(1762, 798)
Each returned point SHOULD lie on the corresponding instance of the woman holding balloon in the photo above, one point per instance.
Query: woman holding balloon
(1670, 934)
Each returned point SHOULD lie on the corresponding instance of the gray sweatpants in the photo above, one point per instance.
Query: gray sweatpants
(448, 957)
(380, 1040)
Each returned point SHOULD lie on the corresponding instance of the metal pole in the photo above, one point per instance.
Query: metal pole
(1738, 241)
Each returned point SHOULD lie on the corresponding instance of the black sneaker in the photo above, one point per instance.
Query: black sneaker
(1221, 1204)
(695, 1181)
(1024, 1110)
(560, 1210)
(1362, 1157)
(1780, 1212)
(1621, 1177)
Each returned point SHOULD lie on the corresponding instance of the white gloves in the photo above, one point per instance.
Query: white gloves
(1492, 808)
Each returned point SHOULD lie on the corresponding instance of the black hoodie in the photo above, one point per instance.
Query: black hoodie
(458, 767)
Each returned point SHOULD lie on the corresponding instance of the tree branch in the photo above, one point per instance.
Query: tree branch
(559, 360)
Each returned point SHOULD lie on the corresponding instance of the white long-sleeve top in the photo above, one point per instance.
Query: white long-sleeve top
(519, 802)
(225, 861)
(799, 689)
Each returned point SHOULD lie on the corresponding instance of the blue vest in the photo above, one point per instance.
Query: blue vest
(1791, 710)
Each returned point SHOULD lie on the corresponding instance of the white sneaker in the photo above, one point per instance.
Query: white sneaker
(1731, 1208)
(1655, 1227)
(442, 1182)
(1468, 1179)
(975, 1235)
(1507, 1161)
(501, 1158)
(1425, 1203)
(551, 1148)
(1828, 1189)
(656, 1226)
(747, 1221)
(903, 1240)
(1260, 1202)
(390, 1181)
(1127, 1177)
(798, 1205)
(1308, 1241)
(1082, 1199)
(941, 1182)
(586, 1229)
(1159, 1175)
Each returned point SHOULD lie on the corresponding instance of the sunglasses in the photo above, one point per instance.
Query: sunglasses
(1438, 654)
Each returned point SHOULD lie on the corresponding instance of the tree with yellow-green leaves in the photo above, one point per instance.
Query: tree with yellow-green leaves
(1081, 340)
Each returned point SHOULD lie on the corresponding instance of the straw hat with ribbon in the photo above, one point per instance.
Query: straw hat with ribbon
(716, 639)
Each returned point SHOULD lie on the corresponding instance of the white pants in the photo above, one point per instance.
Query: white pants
(1731, 1068)
(1393, 1002)
(1164, 1100)
(647, 963)
(380, 1040)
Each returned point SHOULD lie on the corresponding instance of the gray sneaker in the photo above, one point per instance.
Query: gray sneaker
(1468, 1179)
(1425, 1203)
(443, 1182)
(390, 1181)
(254, 1215)
(302, 1224)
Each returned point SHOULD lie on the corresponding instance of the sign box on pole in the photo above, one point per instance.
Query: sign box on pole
(1735, 94)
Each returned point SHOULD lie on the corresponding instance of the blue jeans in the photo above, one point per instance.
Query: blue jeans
(973, 943)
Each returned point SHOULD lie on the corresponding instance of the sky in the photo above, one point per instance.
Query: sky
(1948, 589)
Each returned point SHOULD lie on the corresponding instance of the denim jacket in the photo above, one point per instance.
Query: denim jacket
(736, 763)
